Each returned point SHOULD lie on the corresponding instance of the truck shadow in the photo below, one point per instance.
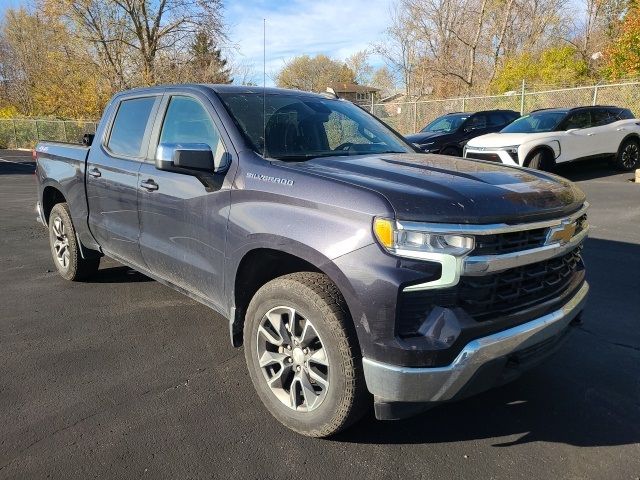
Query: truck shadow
(586, 395)
(589, 169)
(119, 274)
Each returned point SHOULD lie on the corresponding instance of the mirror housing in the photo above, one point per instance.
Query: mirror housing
(188, 156)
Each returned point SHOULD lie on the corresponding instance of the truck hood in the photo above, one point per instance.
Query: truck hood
(436, 188)
(493, 140)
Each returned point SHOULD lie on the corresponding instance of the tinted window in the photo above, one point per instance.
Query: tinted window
(543, 121)
(621, 114)
(186, 121)
(446, 123)
(602, 117)
(477, 121)
(497, 119)
(581, 119)
(129, 126)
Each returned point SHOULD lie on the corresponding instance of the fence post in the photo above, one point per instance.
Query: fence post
(15, 134)
(464, 104)
(522, 99)
(415, 116)
(595, 95)
(64, 129)
(37, 132)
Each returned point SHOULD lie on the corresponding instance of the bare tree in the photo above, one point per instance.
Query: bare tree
(142, 29)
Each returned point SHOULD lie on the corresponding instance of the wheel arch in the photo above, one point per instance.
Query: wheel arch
(51, 196)
(540, 148)
(262, 263)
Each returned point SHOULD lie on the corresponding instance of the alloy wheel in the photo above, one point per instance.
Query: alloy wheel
(61, 243)
(630, 155)
(292, 359)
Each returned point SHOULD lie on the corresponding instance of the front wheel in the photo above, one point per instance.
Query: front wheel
(628, 157)
(64, 246)
(302, 354)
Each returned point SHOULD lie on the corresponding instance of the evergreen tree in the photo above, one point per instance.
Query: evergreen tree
(208, 64)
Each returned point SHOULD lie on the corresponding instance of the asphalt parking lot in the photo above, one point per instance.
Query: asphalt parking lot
(123, 377)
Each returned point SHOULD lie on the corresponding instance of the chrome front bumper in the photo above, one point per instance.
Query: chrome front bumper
(392, 383)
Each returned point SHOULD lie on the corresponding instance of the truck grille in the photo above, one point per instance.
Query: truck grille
(495, 295)
(516, 289)
(510, 242)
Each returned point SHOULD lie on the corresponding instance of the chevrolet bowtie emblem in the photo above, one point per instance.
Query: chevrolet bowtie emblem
(562, 233)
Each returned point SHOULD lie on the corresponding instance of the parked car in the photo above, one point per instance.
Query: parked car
(449, 133)
(343, 260)
(547, 137)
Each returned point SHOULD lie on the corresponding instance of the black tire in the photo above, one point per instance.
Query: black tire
(452, 151)
(62, 238)
(540, 160)
(313, 296)
(628, 156)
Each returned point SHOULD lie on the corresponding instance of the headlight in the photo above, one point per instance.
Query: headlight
(419, 244)
(510, 149)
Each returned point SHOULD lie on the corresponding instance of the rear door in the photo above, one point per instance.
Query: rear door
(182, 223)
(112, 176)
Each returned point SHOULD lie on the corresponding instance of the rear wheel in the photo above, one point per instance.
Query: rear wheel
(64, 246)
(628, 157)
(302, 356)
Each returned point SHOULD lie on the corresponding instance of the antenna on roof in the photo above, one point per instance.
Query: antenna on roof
(264, 87)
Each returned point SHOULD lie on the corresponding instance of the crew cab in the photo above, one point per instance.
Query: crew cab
(344, 260)
(550, 136)
(448, 134)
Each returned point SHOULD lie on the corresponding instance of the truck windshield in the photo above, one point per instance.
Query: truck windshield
(535, 122)
(301, 127)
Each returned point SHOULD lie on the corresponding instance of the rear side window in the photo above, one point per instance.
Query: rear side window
(622, 114)
(580, 119)
(477, 121)
(497, 119)
(601, 117)
(129, 126)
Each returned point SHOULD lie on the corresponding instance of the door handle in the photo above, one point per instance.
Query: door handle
(620, 129)
(149, 185)
(94, 172)
(590, 134)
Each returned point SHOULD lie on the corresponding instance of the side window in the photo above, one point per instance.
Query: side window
(129, 126)
(622, 114)
(186, 121)
(497, 119)
(581, 119)
(478, 121)
(601, 117)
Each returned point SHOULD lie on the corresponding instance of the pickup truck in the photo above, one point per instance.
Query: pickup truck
(354, 269)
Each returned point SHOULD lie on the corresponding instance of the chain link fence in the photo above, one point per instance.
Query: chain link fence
(25, 132)
(409, 117)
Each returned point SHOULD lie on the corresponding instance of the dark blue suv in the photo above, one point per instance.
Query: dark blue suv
(449, 133)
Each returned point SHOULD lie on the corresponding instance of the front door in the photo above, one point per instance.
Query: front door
(182, 225)
(112, 178)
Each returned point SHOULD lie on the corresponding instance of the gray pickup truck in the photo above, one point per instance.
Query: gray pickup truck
(345, 261)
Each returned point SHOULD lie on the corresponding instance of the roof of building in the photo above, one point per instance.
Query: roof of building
(346, 87)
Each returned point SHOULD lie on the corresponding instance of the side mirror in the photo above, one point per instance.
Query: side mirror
(190, 156)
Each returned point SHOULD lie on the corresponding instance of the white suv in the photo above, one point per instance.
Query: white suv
(546, 137)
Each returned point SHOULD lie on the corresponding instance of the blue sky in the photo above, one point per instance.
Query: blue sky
(336, 28)
(296, 27)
